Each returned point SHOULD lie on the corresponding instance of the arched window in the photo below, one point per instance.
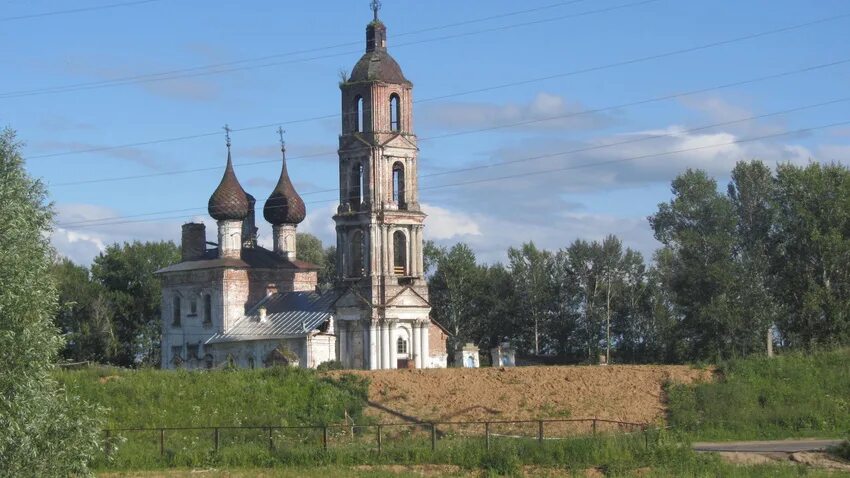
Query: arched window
(207, 309)
(175, 312)
(398, 184)
(401, 346)
(358, 114)
(399, 253)
(356, 186)
(395, 113)
(357, 268)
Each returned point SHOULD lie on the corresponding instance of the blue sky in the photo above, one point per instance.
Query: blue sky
(273, 83)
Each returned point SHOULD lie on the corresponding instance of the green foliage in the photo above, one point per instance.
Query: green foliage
(330, 365)
(126, 272)
(278, 396)
(761, 398)
(842, 450)
(45, 432)
(309, 249)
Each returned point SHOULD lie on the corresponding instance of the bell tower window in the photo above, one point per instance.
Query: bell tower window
(395, 113)
(357, 269)
(399, 253)
(356, 186)
(398, 184)
(358, 114)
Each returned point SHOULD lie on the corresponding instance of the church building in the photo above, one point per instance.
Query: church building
(237, 303)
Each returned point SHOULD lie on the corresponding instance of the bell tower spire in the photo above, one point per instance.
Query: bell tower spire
(379, 222)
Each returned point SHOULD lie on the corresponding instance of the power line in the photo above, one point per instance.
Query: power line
(92, 222)
(76, 10)
(228, 67)
(492, 128)
(485, 89)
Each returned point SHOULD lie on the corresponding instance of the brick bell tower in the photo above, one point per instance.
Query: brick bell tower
(383, 312)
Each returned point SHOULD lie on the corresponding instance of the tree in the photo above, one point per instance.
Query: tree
(532, 277)
(309, 248)
(812, 237)
(45, 432)
(453, 290)
(127, 272)
(697, 227)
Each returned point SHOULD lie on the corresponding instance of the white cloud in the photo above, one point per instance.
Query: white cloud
(445, 224)
(544, 112)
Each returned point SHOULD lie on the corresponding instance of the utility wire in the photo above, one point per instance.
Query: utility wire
(485, 89)
(76, 10)
(228, 67)
(492, 128)
(544, 156)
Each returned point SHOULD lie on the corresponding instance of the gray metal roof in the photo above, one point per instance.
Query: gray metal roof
(288, 315)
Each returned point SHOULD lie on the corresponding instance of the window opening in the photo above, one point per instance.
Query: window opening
(175, 312)
(398, 184)
(357, 266)
(207, 309)
(399, 253)
(357, 186)
(395, 113)
(193, 307)
(401, 346)
(358, 114)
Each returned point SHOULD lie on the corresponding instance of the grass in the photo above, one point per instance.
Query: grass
(794, 395)
(274, 396)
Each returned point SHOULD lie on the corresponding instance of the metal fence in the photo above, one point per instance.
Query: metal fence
(327, 436)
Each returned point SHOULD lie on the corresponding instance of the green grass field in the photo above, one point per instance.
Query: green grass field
(788, 396)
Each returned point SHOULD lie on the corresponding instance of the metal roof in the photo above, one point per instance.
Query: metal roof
(288, 315)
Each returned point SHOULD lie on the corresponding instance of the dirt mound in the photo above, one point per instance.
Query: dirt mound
(630, 393)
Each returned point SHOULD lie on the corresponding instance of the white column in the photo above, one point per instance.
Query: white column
(426, 352)
(385, 349)
(393, 345)
(414, 344)
(342, 338)
(374, 361)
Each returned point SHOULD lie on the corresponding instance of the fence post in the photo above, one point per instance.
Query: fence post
(215, 439)
(594, 426)
(487, 434)
(540, 431)
(271, 443)
(433, 437)
(325, 437)
(107, 443)
(380, 440)
(161, 441)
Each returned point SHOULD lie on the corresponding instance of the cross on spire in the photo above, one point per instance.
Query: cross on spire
(376, 5)
(280, 132)
(227, 131)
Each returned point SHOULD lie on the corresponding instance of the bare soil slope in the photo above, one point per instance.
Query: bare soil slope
(630, 393)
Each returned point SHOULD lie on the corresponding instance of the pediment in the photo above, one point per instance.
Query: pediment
(351, 299)
(399, 141)
(408, 298)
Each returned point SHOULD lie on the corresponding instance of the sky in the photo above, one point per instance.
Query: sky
(539, 120)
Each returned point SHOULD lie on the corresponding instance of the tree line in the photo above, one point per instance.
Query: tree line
(766, 259)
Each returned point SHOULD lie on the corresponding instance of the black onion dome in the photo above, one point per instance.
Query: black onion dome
(284, 205)
(229, 201)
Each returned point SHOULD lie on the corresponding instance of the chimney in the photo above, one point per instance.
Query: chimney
(249, 227)
(193, 241)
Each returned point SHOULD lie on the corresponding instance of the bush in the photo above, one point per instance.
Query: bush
(44, 432)
(329, 365)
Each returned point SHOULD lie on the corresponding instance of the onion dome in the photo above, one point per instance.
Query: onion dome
(284, 205)
(229, 201)
(376, 64)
